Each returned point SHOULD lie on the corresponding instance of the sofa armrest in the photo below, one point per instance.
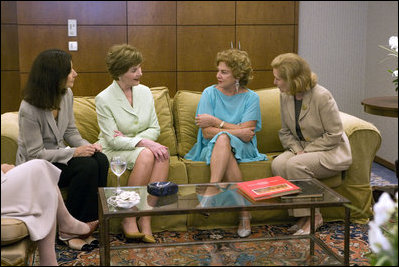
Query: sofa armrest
(9, 137)
(365, 140)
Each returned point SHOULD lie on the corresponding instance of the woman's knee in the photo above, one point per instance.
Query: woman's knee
(101, 159)
(223, 140)
(146, 157)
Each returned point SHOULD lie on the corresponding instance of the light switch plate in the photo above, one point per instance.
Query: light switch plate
(73, 46)
(72, 27)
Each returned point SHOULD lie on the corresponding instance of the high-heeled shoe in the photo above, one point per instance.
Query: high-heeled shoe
(92, 242)
(93, 226)
(75, 243)
(318, 223)
(149, 239)
(242, 230)
(298, 225)
(131, 235)
(146, 238)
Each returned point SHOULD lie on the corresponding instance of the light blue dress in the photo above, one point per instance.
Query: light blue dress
(234, 109)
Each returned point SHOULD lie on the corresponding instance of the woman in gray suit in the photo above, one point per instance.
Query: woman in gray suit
(311, 129)
(46, 123)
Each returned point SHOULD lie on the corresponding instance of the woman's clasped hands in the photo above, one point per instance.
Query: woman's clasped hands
(87, 150)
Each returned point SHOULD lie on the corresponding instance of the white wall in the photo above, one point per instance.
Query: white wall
(340, 41)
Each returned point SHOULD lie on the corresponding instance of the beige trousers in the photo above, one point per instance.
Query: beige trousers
(306, 165)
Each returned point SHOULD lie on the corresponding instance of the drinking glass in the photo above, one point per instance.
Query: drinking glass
(118, 166)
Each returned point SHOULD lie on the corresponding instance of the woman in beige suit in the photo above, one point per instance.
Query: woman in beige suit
(129, 127)
(311, 129)
(47, 124)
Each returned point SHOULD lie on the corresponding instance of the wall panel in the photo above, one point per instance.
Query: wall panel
(10, 91)
(9, 47)
(264, 43)
(151, 12)
(197, 46)
(195, 80)
(205, 13)
(85, 12)
(160, 78)
(265, 12)
(157, 44)
(179, 39)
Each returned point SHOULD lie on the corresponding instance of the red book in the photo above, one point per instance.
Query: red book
(267, 188)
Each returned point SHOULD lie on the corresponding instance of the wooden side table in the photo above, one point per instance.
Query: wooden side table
(383, 106)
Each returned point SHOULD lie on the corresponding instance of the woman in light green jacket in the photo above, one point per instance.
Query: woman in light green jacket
(129, 128)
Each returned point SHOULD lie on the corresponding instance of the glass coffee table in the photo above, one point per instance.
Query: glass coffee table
(220, 197)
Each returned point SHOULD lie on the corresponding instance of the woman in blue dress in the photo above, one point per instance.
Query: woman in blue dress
(228, 115)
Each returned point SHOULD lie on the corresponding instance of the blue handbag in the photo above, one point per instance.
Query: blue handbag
(162, 188)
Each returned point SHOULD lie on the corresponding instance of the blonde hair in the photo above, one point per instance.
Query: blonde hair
(295, 71)
(239, 63)
(120, 58)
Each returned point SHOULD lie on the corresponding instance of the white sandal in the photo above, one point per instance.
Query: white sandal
(244, 232)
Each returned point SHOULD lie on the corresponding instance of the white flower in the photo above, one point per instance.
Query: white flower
(383, 209)
(393, 42)
(395, 73)
(377, 240)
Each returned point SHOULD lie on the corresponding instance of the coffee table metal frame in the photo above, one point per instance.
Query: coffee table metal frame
(105, 215)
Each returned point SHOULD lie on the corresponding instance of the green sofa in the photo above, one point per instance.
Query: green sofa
(179, 133)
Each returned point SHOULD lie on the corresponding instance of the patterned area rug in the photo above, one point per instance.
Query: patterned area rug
(286, 253)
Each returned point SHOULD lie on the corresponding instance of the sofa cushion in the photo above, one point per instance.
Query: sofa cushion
(163, 109)
(268, 140)
(184, 108)
(12, 230)
(84, 109)
(9, 137)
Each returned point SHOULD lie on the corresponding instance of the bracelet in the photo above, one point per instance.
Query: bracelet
(221, 124)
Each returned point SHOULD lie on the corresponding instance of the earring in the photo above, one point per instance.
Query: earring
(237, 84)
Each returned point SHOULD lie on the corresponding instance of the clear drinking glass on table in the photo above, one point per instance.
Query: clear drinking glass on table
(118, 166)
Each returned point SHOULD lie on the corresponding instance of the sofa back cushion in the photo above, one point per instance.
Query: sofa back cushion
(84, 109)
(185, 105)
(86, 118)
(268, 140)
(163, 108)
(184, 108)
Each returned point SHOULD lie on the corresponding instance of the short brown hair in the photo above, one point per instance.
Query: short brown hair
(295, 71)
(239, 63)
(121, 58)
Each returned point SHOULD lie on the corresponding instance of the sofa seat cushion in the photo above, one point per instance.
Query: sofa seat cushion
(12, 230)
(17, 254)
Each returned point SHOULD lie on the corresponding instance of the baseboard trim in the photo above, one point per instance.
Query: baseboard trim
(384, 163)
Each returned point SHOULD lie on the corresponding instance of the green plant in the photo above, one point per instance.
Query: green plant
(393, 51)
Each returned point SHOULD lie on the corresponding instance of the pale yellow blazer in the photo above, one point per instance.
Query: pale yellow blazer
(136, 122)
(321, 127)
